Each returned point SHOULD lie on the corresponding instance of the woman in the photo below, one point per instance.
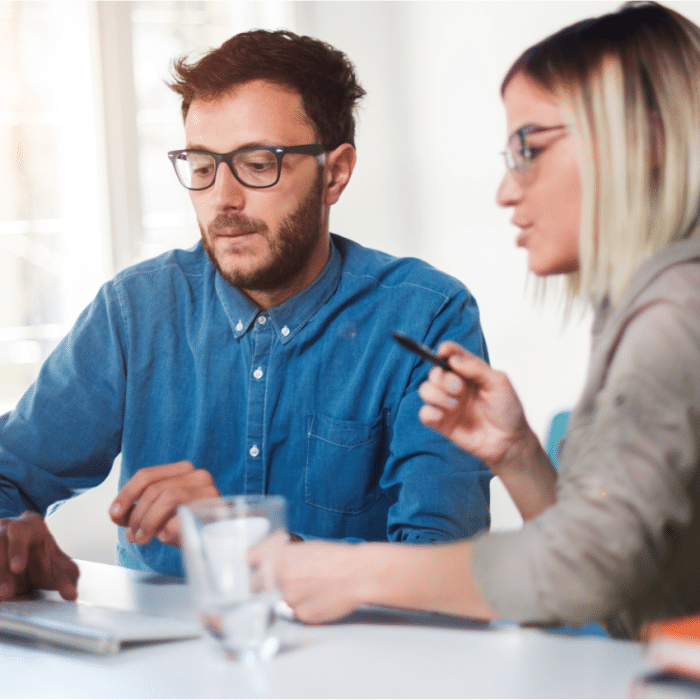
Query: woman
(603, 176)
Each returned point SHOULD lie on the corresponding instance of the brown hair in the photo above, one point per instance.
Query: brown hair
(321, 74)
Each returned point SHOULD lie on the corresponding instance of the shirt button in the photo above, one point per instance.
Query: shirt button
(258, 373)
(262, 320)
(239, 326)
(285, 331)
(254, 451)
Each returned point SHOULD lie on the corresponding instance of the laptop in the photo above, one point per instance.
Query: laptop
(92, 628)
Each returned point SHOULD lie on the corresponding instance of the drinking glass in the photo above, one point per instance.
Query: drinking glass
(231, 546)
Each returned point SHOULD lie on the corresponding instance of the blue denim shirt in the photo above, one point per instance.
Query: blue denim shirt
(311, 399)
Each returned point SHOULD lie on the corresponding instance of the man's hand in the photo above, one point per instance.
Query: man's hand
(147, 505)
(30, 559)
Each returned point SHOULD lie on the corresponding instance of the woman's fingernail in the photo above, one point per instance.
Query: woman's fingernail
(115, 509)
(431, 413)
(451, 401)
(454, 384)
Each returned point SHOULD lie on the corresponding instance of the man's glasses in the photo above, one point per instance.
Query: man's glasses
(520, 153)
(257, 166)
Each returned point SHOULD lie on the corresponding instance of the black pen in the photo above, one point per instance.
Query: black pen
(421, 350)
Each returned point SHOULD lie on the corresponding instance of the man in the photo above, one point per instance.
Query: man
(261, 360)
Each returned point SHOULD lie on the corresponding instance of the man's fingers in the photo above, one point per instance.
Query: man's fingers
(64, 574)
(7, 578)
(120, 509)
(159, 502)
(30, 558)
(20, 534)
(134, 523)
(68, 584)
(62, 566)
(170, 532)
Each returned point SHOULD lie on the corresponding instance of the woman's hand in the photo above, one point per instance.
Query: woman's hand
(324, 581)
(321, 581)
(477, 408)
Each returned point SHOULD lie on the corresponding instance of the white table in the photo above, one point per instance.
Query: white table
(374, 655)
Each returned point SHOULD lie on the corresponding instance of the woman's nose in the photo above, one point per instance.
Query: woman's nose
(510, 191)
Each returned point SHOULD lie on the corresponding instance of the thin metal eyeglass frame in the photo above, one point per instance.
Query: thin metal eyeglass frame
(520, 134)
(312, 149)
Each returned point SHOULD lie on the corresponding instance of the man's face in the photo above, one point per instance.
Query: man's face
(271, 243)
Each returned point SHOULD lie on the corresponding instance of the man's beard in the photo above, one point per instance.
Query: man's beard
(290, 249)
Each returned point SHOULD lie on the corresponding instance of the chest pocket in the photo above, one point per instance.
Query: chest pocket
(344, 461)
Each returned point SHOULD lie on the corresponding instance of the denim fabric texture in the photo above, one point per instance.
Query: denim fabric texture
(312, 399)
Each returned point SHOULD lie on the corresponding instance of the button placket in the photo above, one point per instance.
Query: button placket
(262, 337)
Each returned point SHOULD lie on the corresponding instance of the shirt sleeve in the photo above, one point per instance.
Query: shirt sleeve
(65, 432)
(440, 492)
(627, 466)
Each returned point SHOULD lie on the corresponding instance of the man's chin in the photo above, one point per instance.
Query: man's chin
(236, 263)
(242, 276)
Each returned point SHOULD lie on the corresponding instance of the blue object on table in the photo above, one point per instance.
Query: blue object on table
(557, 430)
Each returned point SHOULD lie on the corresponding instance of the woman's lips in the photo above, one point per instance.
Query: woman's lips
(522, 237)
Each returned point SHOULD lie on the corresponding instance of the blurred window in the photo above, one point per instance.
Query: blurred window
(51, 245)
(86, 187)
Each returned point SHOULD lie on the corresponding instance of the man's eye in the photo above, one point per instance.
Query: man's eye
(259, 166)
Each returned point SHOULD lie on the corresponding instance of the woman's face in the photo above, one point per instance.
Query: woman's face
(545, 192)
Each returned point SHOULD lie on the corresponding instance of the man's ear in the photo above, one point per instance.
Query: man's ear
(339, 166)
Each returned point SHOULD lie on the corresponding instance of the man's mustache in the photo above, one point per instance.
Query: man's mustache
(239, 223)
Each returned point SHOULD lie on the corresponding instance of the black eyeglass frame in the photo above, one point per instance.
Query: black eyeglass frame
(520, 134)
(312, 149)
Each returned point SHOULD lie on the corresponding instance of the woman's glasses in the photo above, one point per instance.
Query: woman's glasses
(520, 153)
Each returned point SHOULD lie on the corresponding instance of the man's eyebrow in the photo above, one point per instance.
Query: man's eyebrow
(196, 147)
(253, 144)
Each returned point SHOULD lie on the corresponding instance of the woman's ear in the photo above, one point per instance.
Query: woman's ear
(339, 166)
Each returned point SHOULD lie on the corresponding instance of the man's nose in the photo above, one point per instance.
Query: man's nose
(227, 192)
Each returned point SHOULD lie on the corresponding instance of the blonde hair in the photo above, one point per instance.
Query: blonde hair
(629, 86)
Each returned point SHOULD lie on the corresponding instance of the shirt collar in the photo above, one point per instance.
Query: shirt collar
(288, 318)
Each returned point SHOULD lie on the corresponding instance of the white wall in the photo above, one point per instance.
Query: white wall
(429, 136)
